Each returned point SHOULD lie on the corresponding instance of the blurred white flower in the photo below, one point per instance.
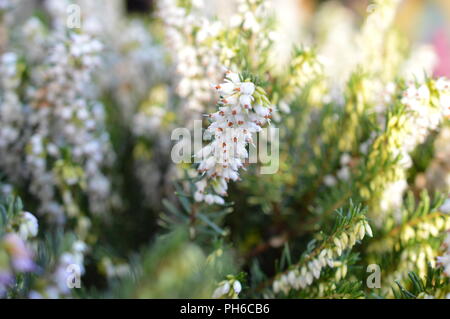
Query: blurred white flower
(28, 227)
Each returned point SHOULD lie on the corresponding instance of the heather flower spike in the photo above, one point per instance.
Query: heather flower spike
(243, 109)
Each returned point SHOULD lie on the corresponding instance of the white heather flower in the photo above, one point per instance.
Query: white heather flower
(28, 226)
(422, 61)
(304, 275)
(329, 180)
(245, 101)
(225, 88)
(64, 115)
(368, 229)
(20, 254)
(237, 287)
(284, 107)
(230, 133)
(423, 117)
(198, 196)
(195, 54)
(345, 159)
(344, 173)
(209, 199)
(222, 290)
(392, 197)
(229, 288)
(79, 247)
(247, 88)
(250, 23)
(219, 200)
(232, 77)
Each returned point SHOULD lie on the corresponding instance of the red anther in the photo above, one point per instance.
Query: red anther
(246, 106)
(218, 87)
(235, 139)
(222, 113)
(240, 122)
(234, 112)
(224, 144)
(230, 124)
(237, 89)
(220, 129)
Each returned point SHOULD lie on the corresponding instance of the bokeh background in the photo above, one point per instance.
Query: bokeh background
(424, 21)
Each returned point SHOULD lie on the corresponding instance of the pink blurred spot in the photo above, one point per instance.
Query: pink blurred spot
(441, 45)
